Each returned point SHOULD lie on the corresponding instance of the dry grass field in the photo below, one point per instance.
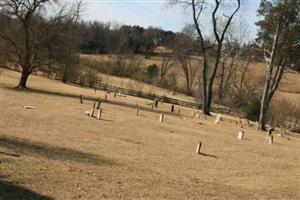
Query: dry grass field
(56, 152)
(289, 88)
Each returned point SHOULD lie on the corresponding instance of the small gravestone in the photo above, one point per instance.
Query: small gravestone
(161, 118)
(99, 114)
(105, 97)
(218, 119)
(241, 135)
(115, 95)
(199, 148)
(270, 139)
(270, 136)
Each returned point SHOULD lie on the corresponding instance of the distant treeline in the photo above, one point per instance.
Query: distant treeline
(104, 38)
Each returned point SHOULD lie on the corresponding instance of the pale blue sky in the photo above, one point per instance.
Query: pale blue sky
(154, 13)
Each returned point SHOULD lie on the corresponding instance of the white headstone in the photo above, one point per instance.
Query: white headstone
(241, 135)
(161, 118)
(218, 119)
(198, 148)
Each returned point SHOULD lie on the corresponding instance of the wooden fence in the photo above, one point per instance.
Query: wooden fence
(151, 96)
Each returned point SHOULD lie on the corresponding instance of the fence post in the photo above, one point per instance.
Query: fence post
(137, 110)
(81, 98)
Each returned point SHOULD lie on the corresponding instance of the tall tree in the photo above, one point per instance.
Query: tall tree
(280, 37)
(217, 10)
(30, 30)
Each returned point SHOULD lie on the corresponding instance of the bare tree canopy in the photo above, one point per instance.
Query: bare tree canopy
(31, 31)
(279, 35)
(216, 11)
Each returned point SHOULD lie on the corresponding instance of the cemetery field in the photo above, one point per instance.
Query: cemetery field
(55, 151)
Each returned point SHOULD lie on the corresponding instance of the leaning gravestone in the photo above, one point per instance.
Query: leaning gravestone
(199, 148)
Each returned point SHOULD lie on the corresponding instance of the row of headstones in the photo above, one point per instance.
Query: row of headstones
(241, 135)
(105, 97)
(242, 122)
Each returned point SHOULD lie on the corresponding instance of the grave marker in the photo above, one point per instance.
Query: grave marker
(199, 148)
(241, 135)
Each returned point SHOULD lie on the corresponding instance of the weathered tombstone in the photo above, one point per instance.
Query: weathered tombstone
(270, 136)
(105, 97)
(172, 108)
(81, 98)
(270, 139)
(99, 114)
(115, 95)
(218, 119)
(161, 118)
(199, 148)
(241, 135)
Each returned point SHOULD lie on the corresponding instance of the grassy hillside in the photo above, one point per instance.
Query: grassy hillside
(56, 152)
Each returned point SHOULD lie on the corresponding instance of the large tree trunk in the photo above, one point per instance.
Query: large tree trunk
(24, 77)
(205, 109)
(265, 101)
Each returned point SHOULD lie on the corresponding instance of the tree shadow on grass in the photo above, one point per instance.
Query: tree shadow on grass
(10, 191)
(23, 146)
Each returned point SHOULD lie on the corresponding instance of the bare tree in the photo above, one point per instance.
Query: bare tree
(235, 50)
(279, 34)
(30, 31)
(197, 7)
(166, 64)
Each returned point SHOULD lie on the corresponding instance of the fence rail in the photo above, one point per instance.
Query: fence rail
(151, 96)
